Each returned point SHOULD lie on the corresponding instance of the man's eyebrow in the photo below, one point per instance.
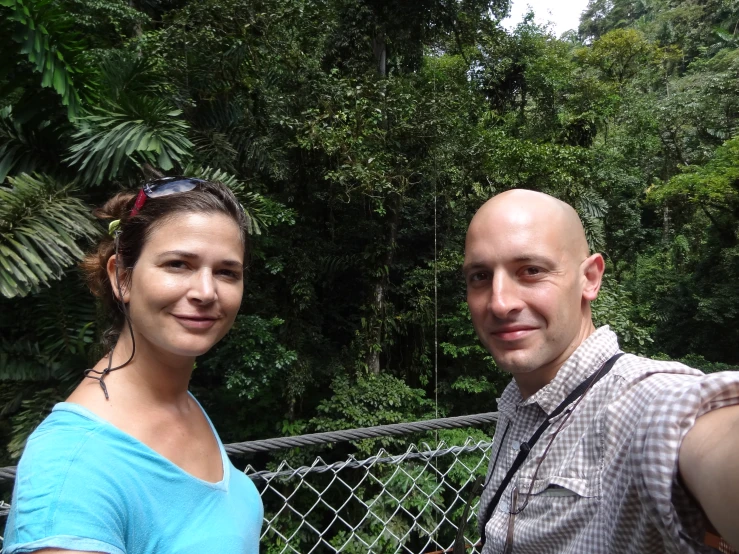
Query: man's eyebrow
(192, 256)
(472, 266)
(533, 258)
(520, 259)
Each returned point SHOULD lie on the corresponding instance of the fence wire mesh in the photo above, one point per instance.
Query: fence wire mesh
(407, 503)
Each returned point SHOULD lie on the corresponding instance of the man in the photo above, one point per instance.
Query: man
(641, 449)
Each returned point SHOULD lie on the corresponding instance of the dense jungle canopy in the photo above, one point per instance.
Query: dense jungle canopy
(361, 136)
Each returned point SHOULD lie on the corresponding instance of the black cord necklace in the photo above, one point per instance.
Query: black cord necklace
(100, 375)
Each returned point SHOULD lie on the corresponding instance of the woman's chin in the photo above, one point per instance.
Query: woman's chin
(189, 350)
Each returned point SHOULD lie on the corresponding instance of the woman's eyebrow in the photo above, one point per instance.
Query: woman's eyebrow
(178, 253)
(232, 263)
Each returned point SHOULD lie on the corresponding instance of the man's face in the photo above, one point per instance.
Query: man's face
(525, 290)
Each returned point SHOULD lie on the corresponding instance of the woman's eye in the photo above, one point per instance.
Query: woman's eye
(230, 274)
(176, 264)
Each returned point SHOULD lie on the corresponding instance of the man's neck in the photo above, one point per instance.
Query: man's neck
(532, 382)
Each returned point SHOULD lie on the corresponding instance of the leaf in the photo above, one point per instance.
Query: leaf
(40, 223)
(110, 140)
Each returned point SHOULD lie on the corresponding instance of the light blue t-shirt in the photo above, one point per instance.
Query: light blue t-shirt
(83, 484)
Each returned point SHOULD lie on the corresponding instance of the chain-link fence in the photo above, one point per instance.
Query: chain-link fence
(407, 503)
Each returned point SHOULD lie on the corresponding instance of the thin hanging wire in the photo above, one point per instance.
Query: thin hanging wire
(436, 279)
(436, 293)
(436, 307)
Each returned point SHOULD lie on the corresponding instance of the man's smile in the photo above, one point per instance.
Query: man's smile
(512, 332)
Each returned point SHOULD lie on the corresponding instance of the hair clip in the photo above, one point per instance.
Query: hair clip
(113, 227)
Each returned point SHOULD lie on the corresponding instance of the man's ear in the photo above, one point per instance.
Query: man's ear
(122, 278)
(593, 269)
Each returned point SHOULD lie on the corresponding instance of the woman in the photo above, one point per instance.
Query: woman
(130, 463)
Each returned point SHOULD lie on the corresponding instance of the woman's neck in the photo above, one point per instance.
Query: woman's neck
(157, 376)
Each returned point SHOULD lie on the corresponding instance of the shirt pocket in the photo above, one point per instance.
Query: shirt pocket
(552, 516)
(557, 486)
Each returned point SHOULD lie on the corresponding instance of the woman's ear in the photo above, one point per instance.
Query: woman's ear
(120, 278)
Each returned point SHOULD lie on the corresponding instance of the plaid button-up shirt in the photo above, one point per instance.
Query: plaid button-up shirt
(609, 483)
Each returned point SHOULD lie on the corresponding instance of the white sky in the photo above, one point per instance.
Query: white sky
(563, 15)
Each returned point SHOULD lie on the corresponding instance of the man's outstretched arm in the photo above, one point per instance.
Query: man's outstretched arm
(709, 467)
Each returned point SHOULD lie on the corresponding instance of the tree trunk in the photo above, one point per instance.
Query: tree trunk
(379, 294)
(379, 49)
(666, 225)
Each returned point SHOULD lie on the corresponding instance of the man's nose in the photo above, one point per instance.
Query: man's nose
(203, 287)
(504, 297)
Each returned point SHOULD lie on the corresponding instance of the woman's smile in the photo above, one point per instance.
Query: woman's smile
(196, 322)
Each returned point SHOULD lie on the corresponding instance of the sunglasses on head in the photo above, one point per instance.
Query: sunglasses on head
(164, 187)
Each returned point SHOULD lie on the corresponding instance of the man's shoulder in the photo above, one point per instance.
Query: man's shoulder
(643, 385)
(632, 367)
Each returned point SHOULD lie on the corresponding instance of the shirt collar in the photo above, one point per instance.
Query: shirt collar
(584, 361)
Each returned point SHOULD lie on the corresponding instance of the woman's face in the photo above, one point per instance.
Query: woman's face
(186, 287)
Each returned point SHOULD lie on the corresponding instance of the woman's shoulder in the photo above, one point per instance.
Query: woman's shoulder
(65, 429)
(63, 486)
(69, 439)
(67, 425)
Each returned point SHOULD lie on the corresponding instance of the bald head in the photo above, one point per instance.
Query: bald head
(530, 281)
(527, 207)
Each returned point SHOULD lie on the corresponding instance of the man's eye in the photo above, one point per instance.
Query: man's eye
(532, 271)
(476, 277)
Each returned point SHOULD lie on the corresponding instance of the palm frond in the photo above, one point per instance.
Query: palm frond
(261, 212)
(40, 224)
(215, 147)
(32, 412)
(124, 74)
(591, 208)
(140, 130)
(46, 36)
(63, 318)
(23, 360)
(31, 146)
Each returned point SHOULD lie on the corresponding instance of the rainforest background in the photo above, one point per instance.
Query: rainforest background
(361, 136)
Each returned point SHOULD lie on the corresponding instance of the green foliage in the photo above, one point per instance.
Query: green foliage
(40, 224)
(712, 186)
(615, 307)
(138, 131)
(25, 148)
(619, 54)
(361, 138)
(32, 412)
(47, 38)
(42, 352)
(261, 211)
(253, 356)
(367, 401)
(699, 362)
